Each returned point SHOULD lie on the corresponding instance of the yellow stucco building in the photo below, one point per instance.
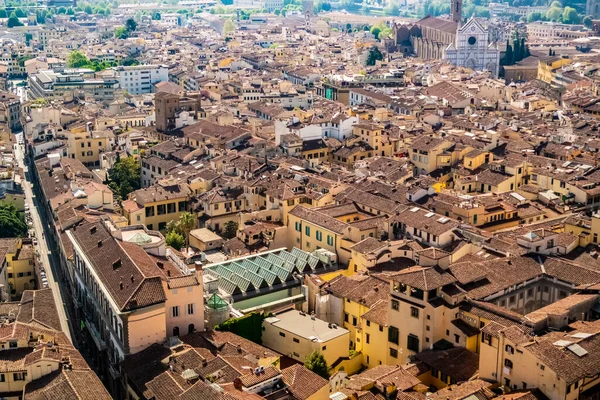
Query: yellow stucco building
(20, 266)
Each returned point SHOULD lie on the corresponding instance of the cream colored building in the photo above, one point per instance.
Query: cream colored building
(297, 334)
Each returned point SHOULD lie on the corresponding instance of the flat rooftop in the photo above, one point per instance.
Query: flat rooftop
(302, 324)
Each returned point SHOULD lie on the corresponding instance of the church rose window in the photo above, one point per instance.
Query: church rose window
(472, 40)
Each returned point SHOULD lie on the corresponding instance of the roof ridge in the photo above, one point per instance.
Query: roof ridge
(68, 379)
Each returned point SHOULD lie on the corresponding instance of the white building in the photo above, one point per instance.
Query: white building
(140, 79)
(473, 48)
(271, 5)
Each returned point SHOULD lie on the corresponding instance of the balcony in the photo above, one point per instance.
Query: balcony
(96, 337)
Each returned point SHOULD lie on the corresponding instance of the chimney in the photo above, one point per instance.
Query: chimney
(237, 384)
(93, 229)
(121, 284)
(132, 279)
(204, 363)
(99, 243)
(160, 264)
(168, 273)
(117, 264)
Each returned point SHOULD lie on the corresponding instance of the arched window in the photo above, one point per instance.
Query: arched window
(191, 328)
(176, 331)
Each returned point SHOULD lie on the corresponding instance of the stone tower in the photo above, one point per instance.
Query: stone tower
(456, 10)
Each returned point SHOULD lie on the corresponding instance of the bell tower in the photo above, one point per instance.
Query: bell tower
(456, 11)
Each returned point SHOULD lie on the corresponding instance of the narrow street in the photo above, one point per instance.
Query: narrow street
(47, 255)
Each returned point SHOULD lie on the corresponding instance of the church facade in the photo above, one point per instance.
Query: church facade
(432, 38)
(473, 50)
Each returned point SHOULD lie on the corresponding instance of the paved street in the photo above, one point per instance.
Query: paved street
(42, 231)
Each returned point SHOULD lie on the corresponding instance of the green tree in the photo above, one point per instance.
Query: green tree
(374, 55)
(175, 240)
(13, 21)
(516, 51)
(570, 16)
(587, 21)
(130, 25)
(508, 56)
(124, 176)
(534, 16)
(70, 11)
(187, 223)
(62, 10)
(12, 223)
(317, 364)
(231, 228)
(385, 32)
(156, 16)
(554, 13)
(121, 33)
(40, 17)
(391, 10)
(375, 31)
(20, 13)
(228, 27)
(88, 9)
(76, 59)
(3, 13)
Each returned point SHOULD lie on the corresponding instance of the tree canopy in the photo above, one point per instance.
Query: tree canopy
(12, 223)
(374, 55)
(124, 177)
(186, 224)
(317, 364)
(228, 27)
(76, 59)
(175, 240)
(230, 230)
(13, 21)
(121, 33)
(130, 25)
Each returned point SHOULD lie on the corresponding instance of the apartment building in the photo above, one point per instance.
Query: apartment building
(130, 293)
(10, 110)
(359, 304)
(333, 228)
(45, 35)
(219, 206)
(87, 145)
(140, 79)
(374, 135)
(155, 206)
(424, 226)
(297, 334)
(71, 83)
(428, 154)
(19, 273)
(560, 366)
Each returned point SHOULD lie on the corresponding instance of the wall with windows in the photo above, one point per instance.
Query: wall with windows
(184, 309)
(373, 336)
(298, 347)
(310, 237)
(517, 368)
(20, 270)
(156, 215)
